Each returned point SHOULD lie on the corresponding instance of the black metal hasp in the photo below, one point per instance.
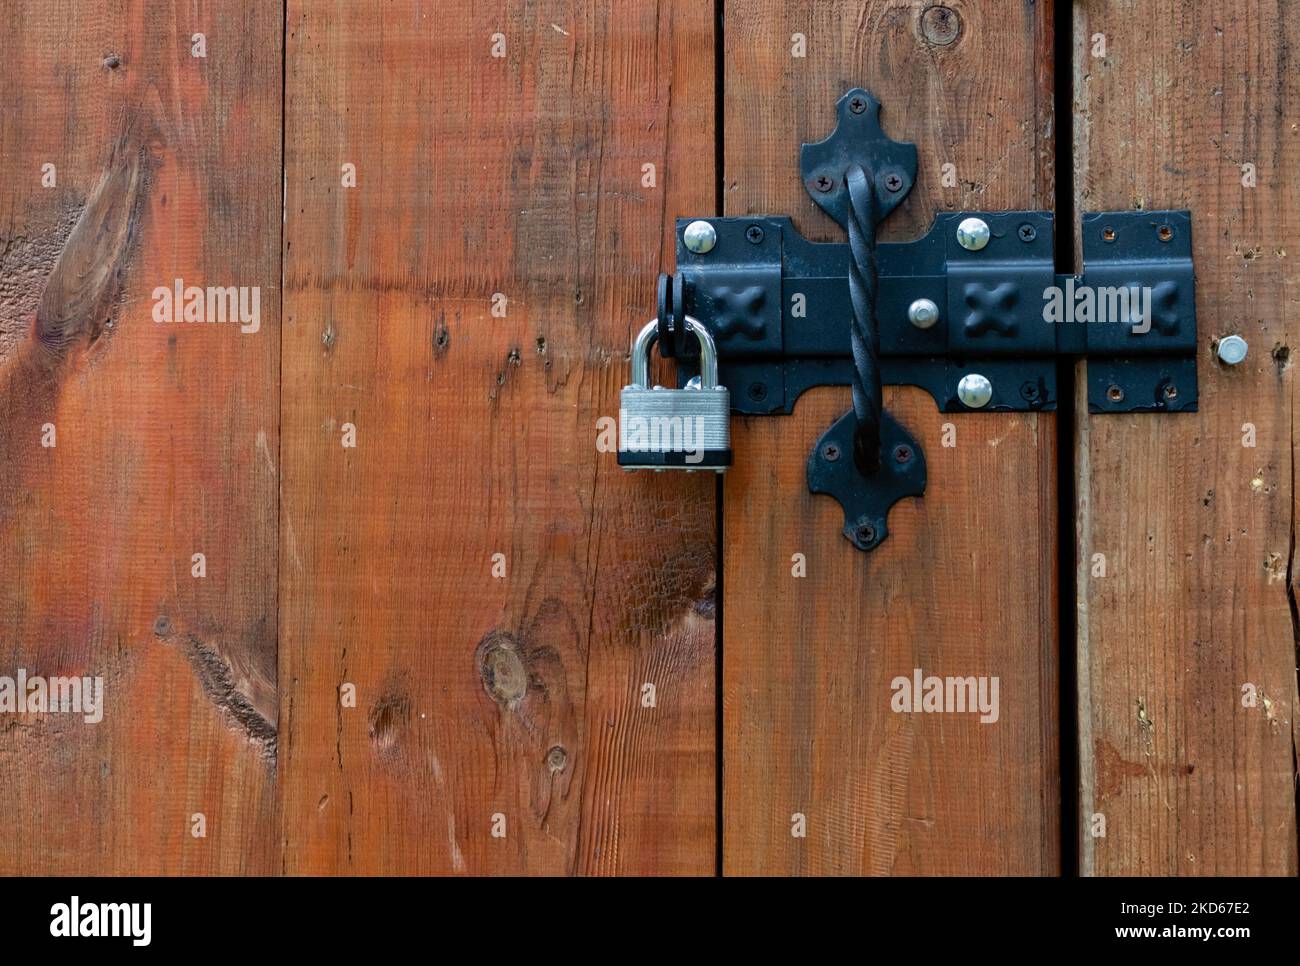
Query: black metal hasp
(973, 312)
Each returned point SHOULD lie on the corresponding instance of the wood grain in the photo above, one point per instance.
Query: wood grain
(965, 584)
(1197, 530)
(478, 696)
(166, 165)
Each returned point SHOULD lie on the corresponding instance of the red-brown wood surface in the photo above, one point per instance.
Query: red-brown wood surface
(965, 583)
(509, 704)
(437, 629)
(165, 165)
(1187, 645)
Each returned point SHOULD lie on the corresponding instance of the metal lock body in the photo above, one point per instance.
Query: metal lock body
(674, 429)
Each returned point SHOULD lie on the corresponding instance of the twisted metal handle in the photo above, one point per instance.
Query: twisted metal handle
(864, 341)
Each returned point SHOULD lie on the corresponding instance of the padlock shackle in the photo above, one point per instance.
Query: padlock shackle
(650, 334)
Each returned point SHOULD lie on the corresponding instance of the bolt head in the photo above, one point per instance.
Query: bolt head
(973, 234)
(700, 237)
(923, 313)
(1231, 350)
(974, 390)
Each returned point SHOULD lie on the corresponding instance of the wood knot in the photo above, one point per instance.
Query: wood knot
(557, 759)
(387, 718)
(502, 669)
(941, 26)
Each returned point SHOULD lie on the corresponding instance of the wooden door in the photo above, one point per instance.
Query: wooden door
(368, 594)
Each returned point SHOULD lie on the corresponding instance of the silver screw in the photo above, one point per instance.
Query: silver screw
(1232, 349)
(974, 390)
(923, 313)
(972, 234)
(700, 237)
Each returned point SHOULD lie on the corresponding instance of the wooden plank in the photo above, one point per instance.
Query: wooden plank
(479, 696)
(1197, 529)
(166, 166)
(965, 583)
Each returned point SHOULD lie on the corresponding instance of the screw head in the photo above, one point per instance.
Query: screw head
(858, 104)
(830, 452)
(754, 234)
(973, 234)
(700, 237)
(1231, 349)
(823, 183)
(974, 390)
(923, 313)
(865, 533)
(894, 182)
(902, 453)
(757, 391)
(1027, 232)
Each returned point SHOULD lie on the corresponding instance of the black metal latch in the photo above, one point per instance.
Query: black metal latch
(973, 311)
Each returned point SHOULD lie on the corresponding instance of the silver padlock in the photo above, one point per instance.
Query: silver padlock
(674, 429)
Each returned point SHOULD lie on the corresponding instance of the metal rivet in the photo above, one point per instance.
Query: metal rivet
(973, 234)
(974, 390)
(700, 237)
(923, 313)
(1232, 349)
